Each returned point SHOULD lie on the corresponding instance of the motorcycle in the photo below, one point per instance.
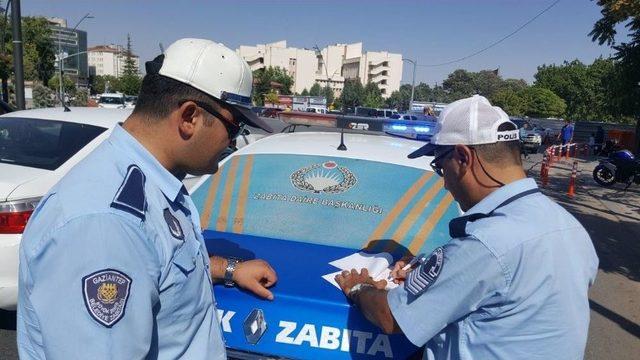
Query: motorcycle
(621, 166)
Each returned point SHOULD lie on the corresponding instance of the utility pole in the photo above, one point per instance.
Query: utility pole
(16, 26)
(413, 81)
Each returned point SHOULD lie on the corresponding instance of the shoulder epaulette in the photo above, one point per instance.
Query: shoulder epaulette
(130, 196)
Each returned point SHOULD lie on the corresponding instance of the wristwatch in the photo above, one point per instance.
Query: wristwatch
(228, 271)
(355, 289)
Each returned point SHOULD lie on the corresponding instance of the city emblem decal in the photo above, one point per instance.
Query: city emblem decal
(105, 294)
(327, 177)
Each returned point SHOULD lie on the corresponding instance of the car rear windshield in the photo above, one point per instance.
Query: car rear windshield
(43, 144)
(111, 100)
(350, 203)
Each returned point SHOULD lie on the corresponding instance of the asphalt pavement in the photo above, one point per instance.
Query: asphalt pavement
(612, 218)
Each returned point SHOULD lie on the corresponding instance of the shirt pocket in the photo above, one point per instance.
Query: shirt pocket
(189, 280)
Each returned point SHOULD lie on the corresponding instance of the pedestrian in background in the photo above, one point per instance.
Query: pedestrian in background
(113, 264)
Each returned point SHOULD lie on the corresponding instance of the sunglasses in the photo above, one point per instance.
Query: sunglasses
(233, 130)
(435, 163)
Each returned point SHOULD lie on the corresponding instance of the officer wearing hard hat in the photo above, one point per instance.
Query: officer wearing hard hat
(113, 263)
(512, 283)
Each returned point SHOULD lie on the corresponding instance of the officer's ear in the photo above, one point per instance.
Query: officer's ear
(463, 156)
(185, 116)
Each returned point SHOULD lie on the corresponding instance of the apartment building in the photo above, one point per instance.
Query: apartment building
(331, 65)
(109, 60)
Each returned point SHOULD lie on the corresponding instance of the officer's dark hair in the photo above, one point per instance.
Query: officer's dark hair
(160, 95)
(501, 152)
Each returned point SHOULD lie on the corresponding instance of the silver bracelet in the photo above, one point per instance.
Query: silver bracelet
(357, 288)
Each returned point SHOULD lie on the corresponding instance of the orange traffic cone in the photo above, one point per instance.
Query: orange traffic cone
(572, 182)
(544, 171)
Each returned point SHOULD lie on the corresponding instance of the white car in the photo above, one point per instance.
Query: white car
(37, 148)
(313, 204)
(112, 101)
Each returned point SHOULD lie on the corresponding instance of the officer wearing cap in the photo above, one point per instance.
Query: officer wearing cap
(512, 283)
(113, 264)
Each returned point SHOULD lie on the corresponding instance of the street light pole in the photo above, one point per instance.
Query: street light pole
(413, 81)
(61, 58)
(16, 24)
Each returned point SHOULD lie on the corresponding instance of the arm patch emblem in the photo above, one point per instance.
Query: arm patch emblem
(105, 295)
(426, 274)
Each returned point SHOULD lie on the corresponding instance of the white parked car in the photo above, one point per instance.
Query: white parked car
(37, 148)
(112, 101)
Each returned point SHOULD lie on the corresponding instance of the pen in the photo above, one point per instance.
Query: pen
(418, 258)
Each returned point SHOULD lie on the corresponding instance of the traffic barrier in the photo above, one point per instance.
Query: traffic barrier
(572, 182)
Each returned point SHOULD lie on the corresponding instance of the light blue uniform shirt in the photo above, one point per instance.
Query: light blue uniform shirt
(113, 265)
(515, 287)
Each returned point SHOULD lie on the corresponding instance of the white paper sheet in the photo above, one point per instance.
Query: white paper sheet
(378, 265)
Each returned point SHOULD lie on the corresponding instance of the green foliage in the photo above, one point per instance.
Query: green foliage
(510, 101)
(68, 85)
(352, 93)
(400, 99)
(98, 84)
(271, 97)
(304, 92)
(459, 84)
(372, 96)
(38, 49)
(263, 79)
(327, 92)
(43, 96)
(315, 90)
(542, 103)
(80, 99)
(130, 81)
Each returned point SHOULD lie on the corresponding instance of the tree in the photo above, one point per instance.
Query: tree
(372, 96)
(271, 97)
(130, 81)
(264, 79)
(98, 83)
(315, 90)
(43, 96)
(327, 92)
(400, 99)
(627, 54)
(510, 101)
(304, 92)
(352, 93)
(459, 84)
(68, 85)
(542, 103)
(80, 98)
(39, 52)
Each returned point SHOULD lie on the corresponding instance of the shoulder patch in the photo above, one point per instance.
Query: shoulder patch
(130, 196)
(105, 293)
(426, 274)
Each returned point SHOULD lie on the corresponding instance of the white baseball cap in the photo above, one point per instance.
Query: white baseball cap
(470, 121)
(213, 69)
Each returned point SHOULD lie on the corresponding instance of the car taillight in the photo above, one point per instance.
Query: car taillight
(14, 215)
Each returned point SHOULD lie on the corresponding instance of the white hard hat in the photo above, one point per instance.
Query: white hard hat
(470, 121)
(213, 69)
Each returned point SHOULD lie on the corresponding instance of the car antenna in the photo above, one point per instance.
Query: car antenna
(342, 146)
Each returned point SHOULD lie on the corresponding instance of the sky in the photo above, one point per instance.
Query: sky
(431, 32)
